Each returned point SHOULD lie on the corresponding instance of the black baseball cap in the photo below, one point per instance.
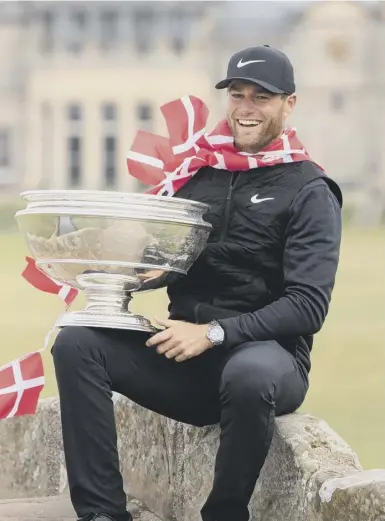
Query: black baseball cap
(263, 65)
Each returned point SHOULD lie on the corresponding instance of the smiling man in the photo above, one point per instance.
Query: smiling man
(255, 112)
(235, 349)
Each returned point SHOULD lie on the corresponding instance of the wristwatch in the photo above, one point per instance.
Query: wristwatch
(215, 333)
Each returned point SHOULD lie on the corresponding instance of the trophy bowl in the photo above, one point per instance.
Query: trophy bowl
(110, 245)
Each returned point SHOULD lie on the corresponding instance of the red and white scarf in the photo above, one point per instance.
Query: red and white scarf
(167, 164)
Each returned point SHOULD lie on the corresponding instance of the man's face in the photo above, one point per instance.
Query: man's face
(256, 116)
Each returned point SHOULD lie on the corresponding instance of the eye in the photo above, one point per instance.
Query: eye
(236, 95)
(260, 96)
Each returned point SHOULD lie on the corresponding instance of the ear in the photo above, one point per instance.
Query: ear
(290, 102)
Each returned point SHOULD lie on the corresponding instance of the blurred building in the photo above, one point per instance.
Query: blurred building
(77, 79)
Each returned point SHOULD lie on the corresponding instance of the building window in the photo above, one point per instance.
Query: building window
(144, 30)
(178, 31)
(74, 112)
(110, 163)
(144, 116)
(337, 101)
(76, 33)
(109, 112)
(74, 161)
(47, 31)
(5, 147)
(108, 29)
(144, 112)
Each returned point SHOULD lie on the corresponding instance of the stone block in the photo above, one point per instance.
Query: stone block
(171, 469)
(31, 453)
(358, 497)
(168, 466)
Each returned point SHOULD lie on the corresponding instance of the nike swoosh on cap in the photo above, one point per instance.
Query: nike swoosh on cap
(242, 64)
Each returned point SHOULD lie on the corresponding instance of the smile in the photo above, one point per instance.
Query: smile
(248, 122)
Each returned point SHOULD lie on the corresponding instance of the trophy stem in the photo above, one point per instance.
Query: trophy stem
(107, 292)
(108, 298)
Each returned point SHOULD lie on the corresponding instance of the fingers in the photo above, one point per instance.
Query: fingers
(160, 337)
(150, 275)
(165, 347)
(182, 357)
(177, 352)
(165, 322)
(170, 342)
(173, 352)
(173, 348)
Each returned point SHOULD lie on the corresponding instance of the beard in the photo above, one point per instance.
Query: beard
(258, 137)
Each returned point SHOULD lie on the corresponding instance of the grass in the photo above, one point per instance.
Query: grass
(347, 378)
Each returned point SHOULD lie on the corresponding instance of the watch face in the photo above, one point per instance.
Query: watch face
(216, 334)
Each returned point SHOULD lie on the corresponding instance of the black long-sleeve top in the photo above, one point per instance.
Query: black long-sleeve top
(310, 261)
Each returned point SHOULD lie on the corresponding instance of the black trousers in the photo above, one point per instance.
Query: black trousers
(242, 389)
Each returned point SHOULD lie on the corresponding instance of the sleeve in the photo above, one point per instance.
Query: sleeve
(156, 283)
(310, 262)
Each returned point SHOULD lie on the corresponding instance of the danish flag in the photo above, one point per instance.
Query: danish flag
(21, 383)
(22, 380)
(41, 281)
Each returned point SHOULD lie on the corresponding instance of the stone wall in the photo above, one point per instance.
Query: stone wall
(310, 474)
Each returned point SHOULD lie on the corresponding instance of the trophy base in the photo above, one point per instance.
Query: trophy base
(122, 320)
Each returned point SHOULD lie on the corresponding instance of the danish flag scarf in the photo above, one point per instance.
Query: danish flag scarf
(165, 164)
(168, 163)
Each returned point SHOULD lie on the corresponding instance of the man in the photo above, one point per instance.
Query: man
(236, 347)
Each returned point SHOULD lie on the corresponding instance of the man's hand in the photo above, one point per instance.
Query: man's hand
(180, 340)
(150, 275)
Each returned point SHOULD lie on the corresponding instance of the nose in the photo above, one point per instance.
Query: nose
(247, 106)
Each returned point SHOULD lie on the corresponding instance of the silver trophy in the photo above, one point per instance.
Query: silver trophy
(110, 245)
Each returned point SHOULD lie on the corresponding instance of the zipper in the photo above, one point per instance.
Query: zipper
(233, 181)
